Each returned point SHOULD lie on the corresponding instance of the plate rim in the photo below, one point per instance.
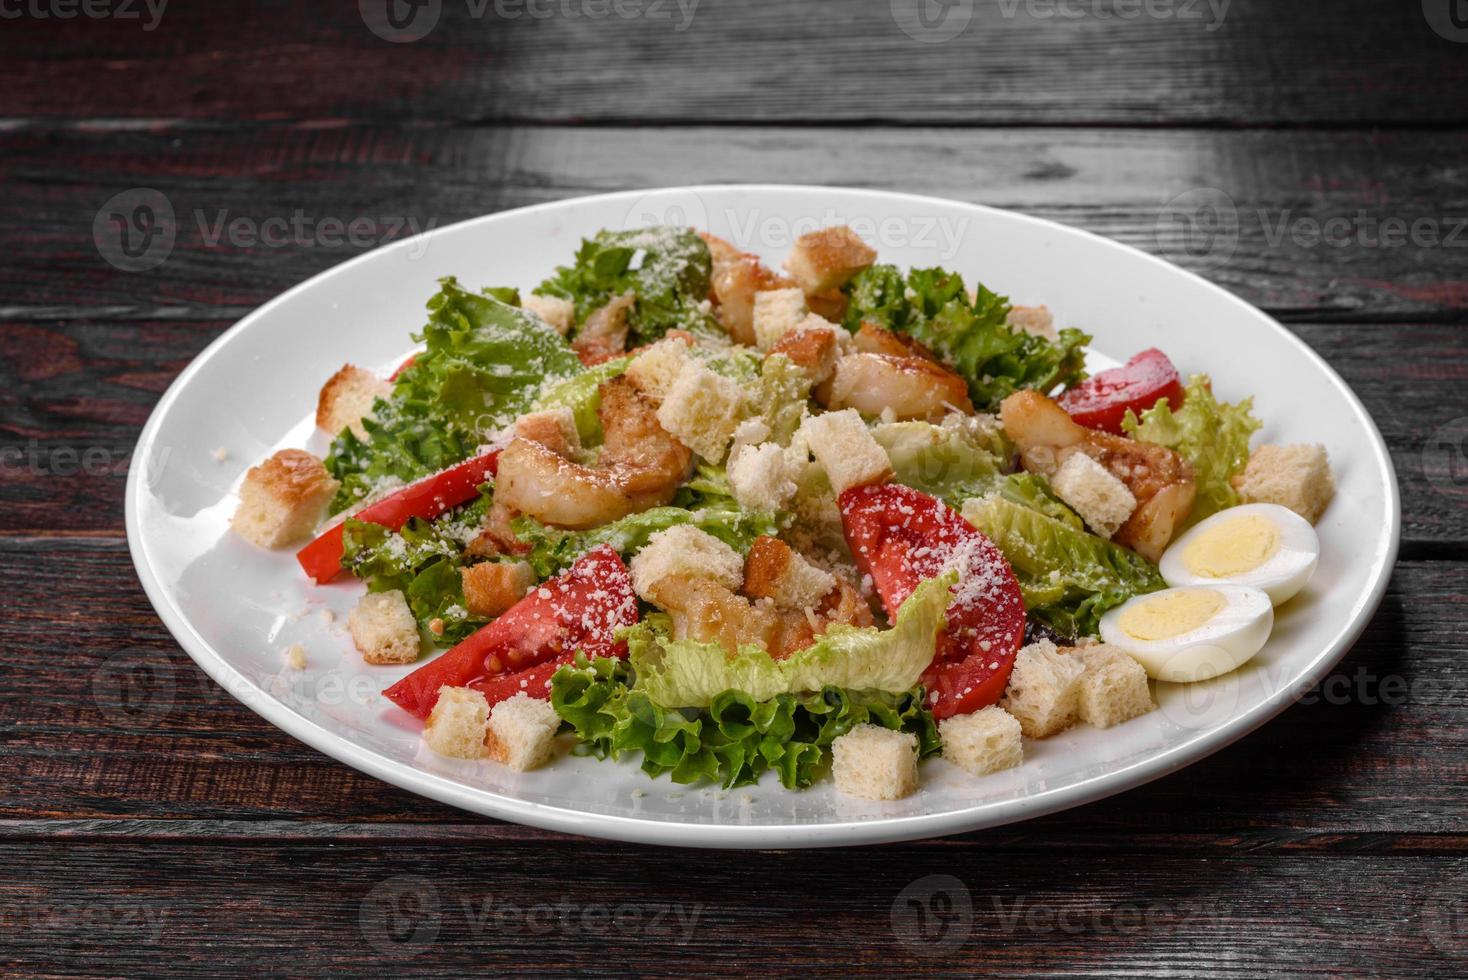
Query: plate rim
(667, 832)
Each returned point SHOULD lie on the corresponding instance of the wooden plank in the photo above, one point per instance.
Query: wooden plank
(412, 910)
(76, 393)
(1015, 62)
(105, 718)
(1273, 191)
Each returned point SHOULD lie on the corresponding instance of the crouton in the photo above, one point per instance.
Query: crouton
(522, 732)
(812, 345)
(875, 763)
(1037, 321)
(1113, 689)
(383, 628)
(776, 313)
(686, 552)
(655, 369)
(827, 259)
(1297, 477)
(492, 587)
(557, 312)
(554, 428)
(456, 725)
(283, 499)
(750, 432)
(701, 410)
(761, 478)
(986, 741)
(295, 657)
(774, 570)
(1044, 690)
(347, 398)
(842, 444)
(1103, 501)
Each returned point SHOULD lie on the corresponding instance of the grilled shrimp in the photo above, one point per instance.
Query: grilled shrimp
(735, 279)
(912, 387)
(1160, 479)
(604, 334)
(640, 466)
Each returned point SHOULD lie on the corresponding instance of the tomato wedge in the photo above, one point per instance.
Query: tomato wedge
(578, 612)
(428, 498)
(1102, 401)
(403, 367)
(900, 537)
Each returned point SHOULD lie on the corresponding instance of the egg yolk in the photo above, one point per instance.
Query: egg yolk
(1171, 614)
(1232, 547)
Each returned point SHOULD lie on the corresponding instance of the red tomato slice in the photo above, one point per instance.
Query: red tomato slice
(900, 537)
(578, 612)
(1102, 401)
(403, 367)
(534, 681)
(428, 498)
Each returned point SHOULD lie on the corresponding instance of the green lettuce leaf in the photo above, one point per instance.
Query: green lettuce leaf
(667, 269)
(486, 362)
(1211, 435)
(737, 738)
(687, 673)
(582, 395)
(423, 560)
(971, 336)
(948, 462)
(780, 396)
(1068, 576)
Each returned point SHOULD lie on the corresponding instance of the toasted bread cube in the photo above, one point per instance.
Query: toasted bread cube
(842, 444)
(347, 398)
(456, 725)
(558, 312)
(702, 410)
(986, 741)
(1297, 477)
(383, 628)
(283, 499)
(1044, 690)
(776, 571)
(875, 763)
(685, 551)
(827, 259)
(761, 478)
(1114, 687)
(1037, 321)
(1103, 501)
(491, 587)
(776, 313)
(813, 345)
(522, 732)
(750, 432)
(656, 368)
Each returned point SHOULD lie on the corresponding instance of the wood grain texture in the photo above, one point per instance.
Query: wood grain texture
(1243, 208)
(1018, 62)
(76, 393)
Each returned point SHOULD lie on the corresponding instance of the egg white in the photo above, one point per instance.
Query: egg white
(1226, 641)
(1281, 576)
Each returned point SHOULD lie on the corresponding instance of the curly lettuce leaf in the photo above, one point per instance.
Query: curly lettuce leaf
(423, 560)
(971, 336)
(1211, 435)
(687, 673)
(780, 396)
(486, 362)
(667, 269)
(737, 738)
(1068, 576)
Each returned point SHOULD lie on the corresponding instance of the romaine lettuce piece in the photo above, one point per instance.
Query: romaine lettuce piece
(690, 674)
(582, 395)
(941, 460)
(1211, 435)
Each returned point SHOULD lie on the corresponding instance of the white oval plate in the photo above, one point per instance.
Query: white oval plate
(236, 608)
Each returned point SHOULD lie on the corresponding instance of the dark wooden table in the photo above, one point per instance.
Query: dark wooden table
(151, 823)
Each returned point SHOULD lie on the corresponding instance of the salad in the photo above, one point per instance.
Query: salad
(676, 506)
